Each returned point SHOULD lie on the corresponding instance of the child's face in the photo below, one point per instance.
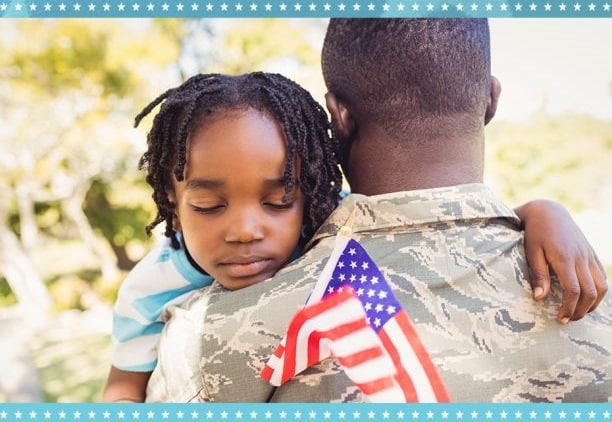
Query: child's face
(229, 207)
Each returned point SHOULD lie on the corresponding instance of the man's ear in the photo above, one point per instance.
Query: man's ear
(493, 99)
(341, 119)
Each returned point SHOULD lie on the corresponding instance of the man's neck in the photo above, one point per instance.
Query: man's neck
(381, 169)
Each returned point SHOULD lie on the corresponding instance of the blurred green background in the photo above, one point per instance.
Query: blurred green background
(73, 206)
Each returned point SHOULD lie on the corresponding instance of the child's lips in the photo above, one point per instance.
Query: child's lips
(245, 267)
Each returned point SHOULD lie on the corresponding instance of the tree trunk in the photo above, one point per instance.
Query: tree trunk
(72, 207)
(27, 218)
(18, 269)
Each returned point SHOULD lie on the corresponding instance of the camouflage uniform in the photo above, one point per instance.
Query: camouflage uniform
(455, 259)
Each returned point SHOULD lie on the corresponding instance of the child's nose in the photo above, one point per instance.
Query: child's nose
(246, 226)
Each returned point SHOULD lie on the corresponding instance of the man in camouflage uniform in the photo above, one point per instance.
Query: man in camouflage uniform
(409, 100)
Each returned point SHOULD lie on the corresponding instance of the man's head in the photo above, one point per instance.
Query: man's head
(417, 81)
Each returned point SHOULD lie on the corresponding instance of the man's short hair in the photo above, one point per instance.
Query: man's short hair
(402, 71)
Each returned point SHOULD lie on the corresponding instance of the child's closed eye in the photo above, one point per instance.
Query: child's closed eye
(208, 210)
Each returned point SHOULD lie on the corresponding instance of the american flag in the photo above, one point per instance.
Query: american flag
(353, 314)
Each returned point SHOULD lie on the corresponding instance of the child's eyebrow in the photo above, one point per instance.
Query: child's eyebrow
(275, 183)
(195, 184)
(204, 184)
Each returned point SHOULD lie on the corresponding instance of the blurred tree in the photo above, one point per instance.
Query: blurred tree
(262, 44)
(565, 157)
(68, 101)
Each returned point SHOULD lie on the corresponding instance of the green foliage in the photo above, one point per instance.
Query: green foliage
(118, 222)
(252, 44)
(70, 53)
(565, 158)
(7, 298)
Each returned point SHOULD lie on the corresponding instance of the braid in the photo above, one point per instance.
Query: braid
(305, 125)
(309, 137)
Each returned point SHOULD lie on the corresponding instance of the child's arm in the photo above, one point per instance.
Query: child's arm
(553, 240)
(125, 386)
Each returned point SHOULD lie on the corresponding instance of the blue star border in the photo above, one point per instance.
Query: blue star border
(95, 412)
(304, 8)
(319, 412)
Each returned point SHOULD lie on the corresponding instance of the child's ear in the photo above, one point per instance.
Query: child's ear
(341, 119)
(176, 221)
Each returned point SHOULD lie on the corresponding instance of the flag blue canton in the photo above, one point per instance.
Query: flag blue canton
(358, 271)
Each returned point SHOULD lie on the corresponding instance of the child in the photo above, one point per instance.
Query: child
(243, 172)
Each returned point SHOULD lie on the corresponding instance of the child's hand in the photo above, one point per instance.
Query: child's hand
(553, 240)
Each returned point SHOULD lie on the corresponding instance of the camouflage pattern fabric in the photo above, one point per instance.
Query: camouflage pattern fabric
(455, 259)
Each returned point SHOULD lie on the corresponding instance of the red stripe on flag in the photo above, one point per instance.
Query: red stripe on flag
(360, 357)
(373, 387)
(267, 372)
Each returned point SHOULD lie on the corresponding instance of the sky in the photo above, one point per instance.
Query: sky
(554, 64)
